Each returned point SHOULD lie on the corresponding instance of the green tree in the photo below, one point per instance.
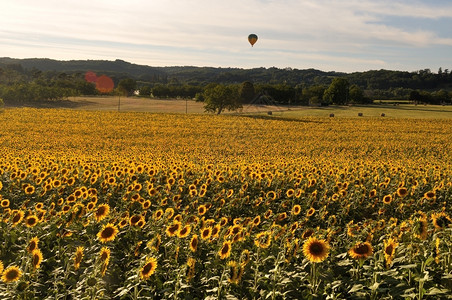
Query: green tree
(337, 92)
(220, 97)
(145, 91)
(356, 95)
(127, 86)
(247, 91)
(312, 95)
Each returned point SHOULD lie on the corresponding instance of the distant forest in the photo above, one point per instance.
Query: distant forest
(23, 80)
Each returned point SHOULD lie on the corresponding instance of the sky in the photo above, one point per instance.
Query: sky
(329, 35)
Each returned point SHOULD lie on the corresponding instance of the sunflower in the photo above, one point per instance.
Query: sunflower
(206, 233)
(169, 213)
(290, 193)
(402, 192)
(103, 267)
(225, 250)
(216, 231)
(223, 221)
(18, 216)
(104, 254)
(281, 216)
(441, 220)
(90, 206)
(202, 193)
(361, 250)
(123, 222)
(316, 250)
(307, 233)
(184, 232)
(157, 214)
(5, 203)
(29, 189)
(133, 221)
(233, 271)
(387, 199)
(194, 243)
(263, 239)
(271, 195)
(191, 262)
(154, 243)
(436, 254)
(256, 221)
(31, 221)
(149, 268)
(11, 274)
(296, 209)
(293, 227)
(1, 267)
(146, 204)
(421, 228)
(173, 229)
(268, 214)
(245, 257)
(430, 195)
(36, 260)
(78, 257)
(202, 210)
(102, 212)
(107, 233)
(310, 212)
(389, 250)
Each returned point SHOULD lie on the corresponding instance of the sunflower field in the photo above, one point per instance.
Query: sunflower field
(108, 205)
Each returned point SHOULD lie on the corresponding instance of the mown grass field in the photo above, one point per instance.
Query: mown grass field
(135, 104)
(138, 205)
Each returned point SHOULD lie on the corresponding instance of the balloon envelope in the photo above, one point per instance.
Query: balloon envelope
(252, 38)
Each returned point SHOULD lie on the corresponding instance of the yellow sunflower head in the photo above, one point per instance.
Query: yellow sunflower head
(184, 232)
(78, 256)
(107, 233)
(148, 268)
(225, 250)
(390, 246)
(33, 244)
(361, 250)
(102, 212)
(316, 250)
(36, 258)
(11, 274)
(104, 254)
(194, 243)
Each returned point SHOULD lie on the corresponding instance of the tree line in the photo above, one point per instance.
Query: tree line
(282, 86)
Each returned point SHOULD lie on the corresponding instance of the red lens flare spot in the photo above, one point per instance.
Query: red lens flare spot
(104, 84)
(90, 76)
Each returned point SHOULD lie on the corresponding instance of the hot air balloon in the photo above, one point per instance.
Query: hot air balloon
(252, 38)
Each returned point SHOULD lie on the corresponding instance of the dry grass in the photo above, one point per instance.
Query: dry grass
(135, 104)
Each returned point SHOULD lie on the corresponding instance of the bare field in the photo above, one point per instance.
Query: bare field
(109, 103)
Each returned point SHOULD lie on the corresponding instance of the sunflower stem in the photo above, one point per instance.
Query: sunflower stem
(220, 283)
(275, 275)
(256, 273)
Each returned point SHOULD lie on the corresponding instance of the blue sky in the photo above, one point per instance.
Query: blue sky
(330, 35)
